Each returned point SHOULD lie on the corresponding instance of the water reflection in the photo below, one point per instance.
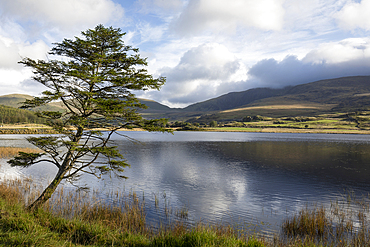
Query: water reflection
(239, 177)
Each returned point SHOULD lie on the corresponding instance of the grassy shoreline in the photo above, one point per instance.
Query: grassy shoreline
(287, 130)
(74, 219)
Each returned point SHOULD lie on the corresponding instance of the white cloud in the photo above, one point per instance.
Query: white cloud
(211, 70)
(148, 5)
(208, 61)
(201, 74)
(62, 14)
(12, 73)
(284, 42)
(168, 4)
(312, 16)
(218, 15)
(15, 81)
(355, 15)
(149, 33)
(342, 51)
(9, 53)
(12, 52)
(28, 27)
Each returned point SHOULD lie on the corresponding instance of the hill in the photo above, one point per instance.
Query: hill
(10, 115)
(353, 89)
(235, 99)
(154, 106)
(15, 100)
(345, 94)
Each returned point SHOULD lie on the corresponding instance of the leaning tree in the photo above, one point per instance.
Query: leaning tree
(94, 77)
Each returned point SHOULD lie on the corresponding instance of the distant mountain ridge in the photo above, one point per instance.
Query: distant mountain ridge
(342, 91)
(332, 95)
(15, 100)
(344, 94)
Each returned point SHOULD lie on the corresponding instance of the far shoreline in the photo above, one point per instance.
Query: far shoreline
(289, 130)
(42, 129)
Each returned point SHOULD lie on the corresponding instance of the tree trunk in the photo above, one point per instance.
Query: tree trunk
(63, 169)
(46, 194)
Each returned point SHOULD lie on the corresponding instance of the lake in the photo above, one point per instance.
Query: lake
(245, 179)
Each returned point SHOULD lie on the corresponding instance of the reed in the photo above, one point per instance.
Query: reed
(7, 152)
(115, 210)
(118, 219)
(308, 222)
(344, 223)
(73, 218)
(79, 217)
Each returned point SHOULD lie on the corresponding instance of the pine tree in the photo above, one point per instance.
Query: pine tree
(94, 77)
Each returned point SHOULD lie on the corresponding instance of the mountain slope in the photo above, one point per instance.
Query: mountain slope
(235, 99)
(11, 115)
(346, 92)
(154, 106)
(15, 100)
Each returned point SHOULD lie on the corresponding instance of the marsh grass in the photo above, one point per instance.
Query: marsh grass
(7, 152)
(117, 210)
(78, 218)
(345, 223)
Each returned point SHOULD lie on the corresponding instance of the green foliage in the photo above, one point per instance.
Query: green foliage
(252, 118)
(213, 124)
(95, 82)
(10, 115)
(24, 159)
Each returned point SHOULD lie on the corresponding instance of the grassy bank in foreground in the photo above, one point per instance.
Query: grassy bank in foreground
(75, 219)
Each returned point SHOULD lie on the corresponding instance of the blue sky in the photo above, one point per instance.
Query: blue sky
(205, 48)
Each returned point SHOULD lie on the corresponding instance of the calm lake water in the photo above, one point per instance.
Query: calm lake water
(238, 178)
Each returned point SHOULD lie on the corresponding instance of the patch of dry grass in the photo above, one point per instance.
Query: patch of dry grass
(8, 152)
(295, 106)
(117, 210)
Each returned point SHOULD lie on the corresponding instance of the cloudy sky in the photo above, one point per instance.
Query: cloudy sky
(205, 48)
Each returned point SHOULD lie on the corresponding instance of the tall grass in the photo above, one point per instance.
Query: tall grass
(77, 218)
(345, 223)
(74, 218)
(117, 210)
